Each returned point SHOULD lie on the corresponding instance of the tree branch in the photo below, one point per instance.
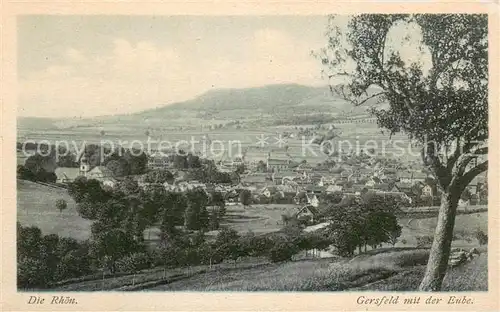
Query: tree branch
(440, 65)
(471, 174)
(466, 158)
(370, 97)
(459, 151)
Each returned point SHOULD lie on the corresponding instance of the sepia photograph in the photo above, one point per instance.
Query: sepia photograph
(324, 153)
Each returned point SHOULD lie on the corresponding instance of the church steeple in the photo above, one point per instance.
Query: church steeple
(84, 165)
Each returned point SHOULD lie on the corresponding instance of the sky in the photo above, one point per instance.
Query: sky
(83, 66)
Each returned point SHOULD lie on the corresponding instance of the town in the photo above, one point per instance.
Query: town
(278, 179)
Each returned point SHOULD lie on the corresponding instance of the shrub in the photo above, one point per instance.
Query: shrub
(245, 197)
(228, 244)
(172, 256)
(43, 260)
(412, 258)
(32, 273)
(135, 262)
(282, 250)
(256, 246)
(462, 235)
(481, 237)
(424, 241)
(404, 241)
(73, 264)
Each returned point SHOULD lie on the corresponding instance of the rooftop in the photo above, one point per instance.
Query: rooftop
(278, 161)
(67, 173)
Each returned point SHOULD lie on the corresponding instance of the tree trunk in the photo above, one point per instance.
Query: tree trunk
(441, 246)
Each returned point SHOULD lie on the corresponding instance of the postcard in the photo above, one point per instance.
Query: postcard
(255, 156)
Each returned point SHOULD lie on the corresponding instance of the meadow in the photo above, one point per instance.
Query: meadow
(465, 227)
(354, 136)
(36, 205)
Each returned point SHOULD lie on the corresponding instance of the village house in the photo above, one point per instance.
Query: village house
(286, 191)
(312, 199)
(300, 197)
(477, 184)
(308, 211)
(349, 197)
(463, 203)
(372, 181)
(255, 179)
(334, 188)
(326, 181)
(412, 177)
(66, 174)
(21, 158)
(279, 176)
(315, 189)
(406, 188)
(428, 190)
(253, 189)
(230, 165)
(158, 161)
(384, 187)
(315, 179)
(269, 191)
(398, 195)
(304, 167)
(109, 182)
(100, 173)
(232, 196)
(344, 175)
(356, 189)
(386, 175)
(278, 164)
(186, 186)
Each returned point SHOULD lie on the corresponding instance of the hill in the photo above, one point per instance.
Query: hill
(271, 101)
(281, 99)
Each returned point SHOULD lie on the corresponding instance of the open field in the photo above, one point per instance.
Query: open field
(36, 205)
(256, 218)
(465, 226)
(353, 136)
(259, 219)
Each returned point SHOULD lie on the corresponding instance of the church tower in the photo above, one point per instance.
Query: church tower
(84, 165)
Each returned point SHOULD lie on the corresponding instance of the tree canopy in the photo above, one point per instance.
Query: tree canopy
(438, 95)
(432, 72)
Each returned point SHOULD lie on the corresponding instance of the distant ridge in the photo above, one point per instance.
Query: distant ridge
(270, 100)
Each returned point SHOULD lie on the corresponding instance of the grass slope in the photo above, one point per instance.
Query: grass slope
(36, 205)
(395, 271)
(465, 226)
(381, 270)
(392, 269)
